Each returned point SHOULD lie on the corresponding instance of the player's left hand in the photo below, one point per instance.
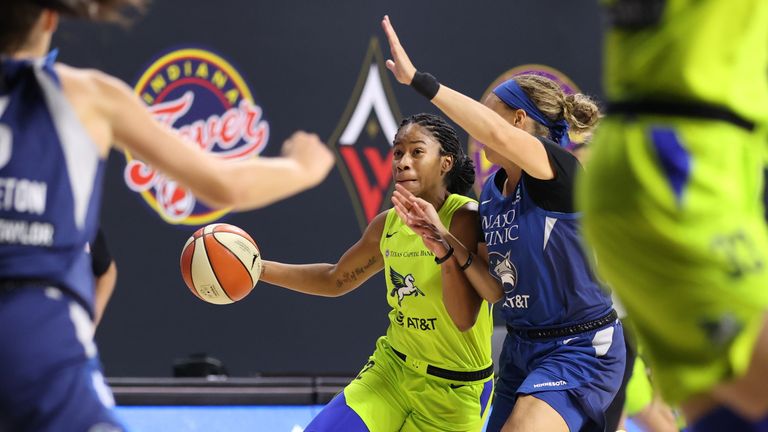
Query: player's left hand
(400, 64)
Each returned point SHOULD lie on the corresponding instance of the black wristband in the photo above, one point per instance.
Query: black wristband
(447, 255)
(425, 84)
(468, 263)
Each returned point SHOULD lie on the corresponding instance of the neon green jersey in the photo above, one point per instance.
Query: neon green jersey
(708, 51)
(419, 325)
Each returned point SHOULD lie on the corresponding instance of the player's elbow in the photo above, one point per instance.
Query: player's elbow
(331, 287)
(335, 283)
(465, 327)
(331, 290)
(334, 292)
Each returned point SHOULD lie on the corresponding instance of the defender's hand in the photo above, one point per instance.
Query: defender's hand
(315, 159)
(400, 64)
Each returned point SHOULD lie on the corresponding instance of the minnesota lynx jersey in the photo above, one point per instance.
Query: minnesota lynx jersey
(419, 324)
(534, 248)
(50, 181)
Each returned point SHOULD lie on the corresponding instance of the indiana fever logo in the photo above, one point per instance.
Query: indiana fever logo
(363, 138)
(205, 100)
(483, 167)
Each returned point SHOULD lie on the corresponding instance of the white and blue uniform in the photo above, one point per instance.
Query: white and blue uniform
(50, 187)
(564, 344)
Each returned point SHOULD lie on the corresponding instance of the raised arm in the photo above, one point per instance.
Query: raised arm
(485, 125)
(358, 264)
(422, 218)
(112, 113)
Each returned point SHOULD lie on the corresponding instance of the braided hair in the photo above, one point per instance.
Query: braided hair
(461, 177)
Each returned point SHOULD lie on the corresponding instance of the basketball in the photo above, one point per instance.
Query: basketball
(220, 263)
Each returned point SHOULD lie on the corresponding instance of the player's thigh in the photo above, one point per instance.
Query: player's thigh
(531, 414)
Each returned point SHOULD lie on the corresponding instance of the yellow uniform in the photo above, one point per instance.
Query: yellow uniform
(672, 197)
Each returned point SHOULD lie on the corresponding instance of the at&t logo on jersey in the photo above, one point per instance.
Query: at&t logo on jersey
(203, 98)
(503, 269)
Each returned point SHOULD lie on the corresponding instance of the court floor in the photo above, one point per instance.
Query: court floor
(272, 418)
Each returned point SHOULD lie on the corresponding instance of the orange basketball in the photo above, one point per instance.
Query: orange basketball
(220, 263)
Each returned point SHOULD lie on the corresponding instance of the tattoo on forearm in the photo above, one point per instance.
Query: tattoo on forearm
(358, 272)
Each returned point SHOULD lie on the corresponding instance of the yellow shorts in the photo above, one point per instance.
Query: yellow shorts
(673, 210)
(390, 396)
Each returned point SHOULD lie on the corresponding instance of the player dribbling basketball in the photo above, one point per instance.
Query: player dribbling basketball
(432, 371)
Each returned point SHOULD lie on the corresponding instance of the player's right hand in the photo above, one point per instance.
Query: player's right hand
(311, 154)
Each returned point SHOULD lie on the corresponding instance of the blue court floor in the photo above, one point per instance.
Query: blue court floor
(267, 418)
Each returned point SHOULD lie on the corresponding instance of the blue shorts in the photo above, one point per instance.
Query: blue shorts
(50, 377)
(576, 375)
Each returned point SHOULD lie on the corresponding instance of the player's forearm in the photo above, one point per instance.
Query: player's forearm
(484, 284)
(278, 178)
(315, 279)
(481, 123)
(477, 273)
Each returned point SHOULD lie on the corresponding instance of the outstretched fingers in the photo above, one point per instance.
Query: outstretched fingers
(403, 192)
(386, 24)
(425, 210)
(400, 65)
(400, 208)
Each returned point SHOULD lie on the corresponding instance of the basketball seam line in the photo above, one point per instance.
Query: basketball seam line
(237, 258)
(210, 263)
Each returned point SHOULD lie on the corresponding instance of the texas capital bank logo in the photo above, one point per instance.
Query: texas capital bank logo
(363, 138)
(483, 167)
(205, 100)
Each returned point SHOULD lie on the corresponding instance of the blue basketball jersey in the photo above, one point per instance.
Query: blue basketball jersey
(536, 254)
(50, 181)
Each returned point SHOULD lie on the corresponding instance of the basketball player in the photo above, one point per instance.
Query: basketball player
(563, 357)
(433, 370)
(57, 124)
(672, 199)
(636, 398)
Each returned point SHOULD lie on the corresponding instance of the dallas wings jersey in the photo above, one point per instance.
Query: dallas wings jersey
(50, 181)
(419, 323)
(536, 253)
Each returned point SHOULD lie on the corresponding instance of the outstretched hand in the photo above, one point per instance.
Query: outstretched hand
(400, 64)
(421, 217)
